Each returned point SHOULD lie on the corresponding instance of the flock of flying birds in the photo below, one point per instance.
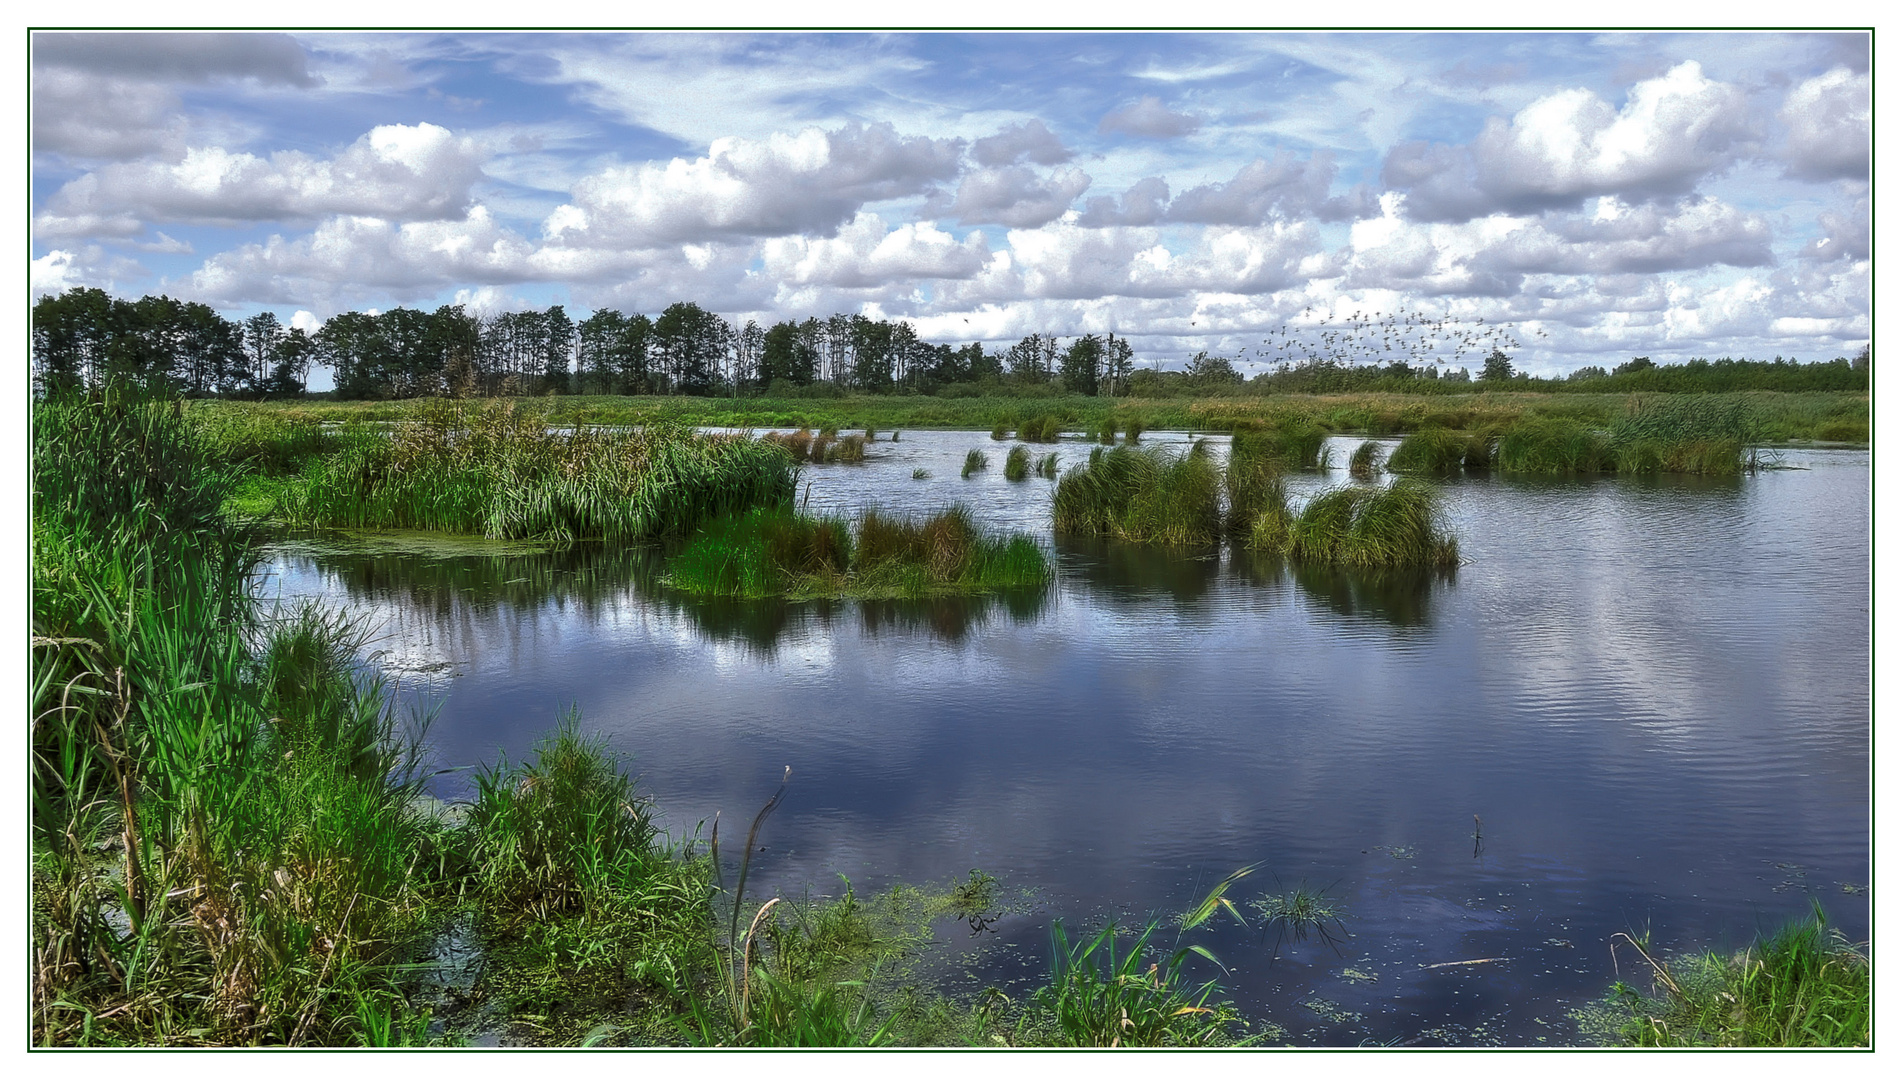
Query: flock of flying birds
(1374, 337)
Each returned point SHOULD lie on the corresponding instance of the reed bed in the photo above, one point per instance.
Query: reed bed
(1806, 985)
(1553, 447)
(1017, 464)
(498, 471)
(1290, 444)
(1437, 451)
(1151, 496)
(1360, 528)
(774, 552)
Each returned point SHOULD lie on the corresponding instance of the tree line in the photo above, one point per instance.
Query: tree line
(85, 336)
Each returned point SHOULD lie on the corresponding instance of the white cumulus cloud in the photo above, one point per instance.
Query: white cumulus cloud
(812, 181)
(1828, 122)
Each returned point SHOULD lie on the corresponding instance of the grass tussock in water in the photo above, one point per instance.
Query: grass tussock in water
(1291, 444)
(1440, 452)
(1017, 464)
(500, 472)
(1360, 528)
(1366, 461)
(1804, 986)
(780, 553)
(974, 461)
(1154, 496)
(1554, 447)
(1047, 466)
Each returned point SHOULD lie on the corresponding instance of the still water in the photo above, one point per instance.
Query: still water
(1654, 695)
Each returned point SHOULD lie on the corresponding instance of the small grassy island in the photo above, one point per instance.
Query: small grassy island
(777, 552)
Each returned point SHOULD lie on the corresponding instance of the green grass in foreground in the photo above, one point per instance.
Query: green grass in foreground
(780, 553)
(1804, 986)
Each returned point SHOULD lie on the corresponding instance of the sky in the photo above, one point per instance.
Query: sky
(1671, 195)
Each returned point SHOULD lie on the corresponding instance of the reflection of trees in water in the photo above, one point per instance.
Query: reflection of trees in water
(1397, 597)
(1139, 572)
(594, 581)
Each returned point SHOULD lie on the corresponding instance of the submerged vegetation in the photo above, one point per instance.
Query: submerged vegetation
(1806, 985)
(775, 552)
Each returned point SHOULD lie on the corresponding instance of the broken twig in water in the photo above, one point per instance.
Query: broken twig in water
(1463, 963)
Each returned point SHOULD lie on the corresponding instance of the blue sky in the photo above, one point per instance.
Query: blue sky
(1607, 196)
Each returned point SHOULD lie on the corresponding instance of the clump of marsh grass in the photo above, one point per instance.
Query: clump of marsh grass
(1361, 528)
(1298, 912)
(1000, 432)
(779, 553)
(1687, 433)
(1554, 446)
(1134, 432)
(1047, 466)
(1365, 462)
(974, 461)
(557, 834)
(1017, 463)
(921, 474)
(498, 471)
(1044, 428)
(1437, 451)
(1144, 496)
(1289, 444)
(1252, 482)
(850, 450)
(1804, 986)
(1098, 998)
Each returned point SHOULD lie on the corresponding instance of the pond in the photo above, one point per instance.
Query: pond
(1652, 694)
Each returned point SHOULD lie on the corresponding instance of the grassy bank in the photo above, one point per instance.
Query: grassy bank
(224, 844)
(1805, 985)
(1781, 417)
(776, 552)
